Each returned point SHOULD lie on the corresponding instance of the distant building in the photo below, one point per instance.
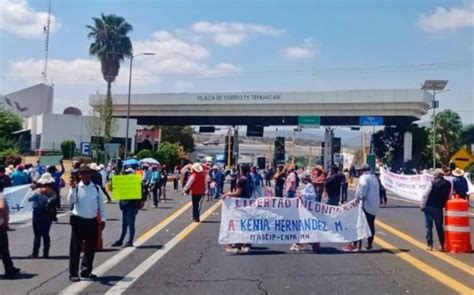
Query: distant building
(30, 101)
(49, 130)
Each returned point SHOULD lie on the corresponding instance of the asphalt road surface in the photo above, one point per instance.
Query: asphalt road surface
(175, 256)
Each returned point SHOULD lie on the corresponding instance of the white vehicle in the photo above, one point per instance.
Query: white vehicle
(214, 141)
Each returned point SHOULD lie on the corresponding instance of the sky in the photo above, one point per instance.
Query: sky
(247, 46)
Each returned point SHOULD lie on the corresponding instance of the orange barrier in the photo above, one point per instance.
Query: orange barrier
(457, 232)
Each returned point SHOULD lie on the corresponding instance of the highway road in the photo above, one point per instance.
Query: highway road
(256, 149)
(173, 255)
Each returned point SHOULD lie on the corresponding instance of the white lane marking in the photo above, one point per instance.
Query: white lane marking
(141, 269)
(78, 287)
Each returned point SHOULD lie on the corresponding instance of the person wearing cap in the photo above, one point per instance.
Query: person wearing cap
(5, 180)
(432, 203)
(44, 211)
(10, 270)
(87, 200)
(368, 191)
(460, 185)
(19, 177)
(97, 179)
(196, 186)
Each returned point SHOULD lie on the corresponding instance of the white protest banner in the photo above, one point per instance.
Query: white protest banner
(410, 187)
(18, 206)
(271, 220)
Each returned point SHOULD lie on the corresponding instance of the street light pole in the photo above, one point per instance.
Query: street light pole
(434, 85)
(129, 98)
(128, 107)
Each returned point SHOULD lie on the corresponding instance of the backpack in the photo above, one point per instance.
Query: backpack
(460, 185)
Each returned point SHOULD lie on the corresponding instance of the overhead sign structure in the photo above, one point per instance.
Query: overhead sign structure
(86, 148)
(309, 121)
(370, 121)
(462, 159)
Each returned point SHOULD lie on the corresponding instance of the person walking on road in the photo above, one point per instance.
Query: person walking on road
(88, 202)
(368, 192)
(244, 190)
(333, 186)
(163, 182)
(129, 210)
(57, 181)
(175, 178)
(196, 186)
(154, 184)
(44, 202)
(383, 191)
(432, 204)
(19, 176)
(10, 270)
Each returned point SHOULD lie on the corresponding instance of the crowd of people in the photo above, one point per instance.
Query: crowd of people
(88, 195)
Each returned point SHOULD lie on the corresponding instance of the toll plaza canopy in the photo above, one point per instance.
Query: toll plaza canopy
(334, 108)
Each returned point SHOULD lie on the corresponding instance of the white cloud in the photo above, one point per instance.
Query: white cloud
(298, 52)
(231, 34)
(19, 19)
(174, 58)
(443, 19)
(307, 50)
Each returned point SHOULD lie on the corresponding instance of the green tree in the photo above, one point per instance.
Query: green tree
(144, 154)
(467, 134)
(448, 135)
(111, 46)
(181, 135)
(168, 154)
(388, 145)
(67, 148)
(9, 122)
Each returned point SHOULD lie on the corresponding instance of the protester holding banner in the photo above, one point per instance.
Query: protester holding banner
(196, 186)
(319, 179)
(10, 270)
(291, 182)
(243, 190)
(88, 202)
(432, 204)
(44, 211)
(333, 186)
(368, 190)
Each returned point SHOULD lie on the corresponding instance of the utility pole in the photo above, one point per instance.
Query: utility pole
(46, 30)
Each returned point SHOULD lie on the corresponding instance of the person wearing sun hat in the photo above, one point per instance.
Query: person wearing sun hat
(460, 185)
(196, 186)
(44, 211)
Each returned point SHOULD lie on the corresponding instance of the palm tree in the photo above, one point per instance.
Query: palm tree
(111, 46)
(448, 135)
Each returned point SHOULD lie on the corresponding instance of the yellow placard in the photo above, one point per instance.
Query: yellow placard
(126, 187)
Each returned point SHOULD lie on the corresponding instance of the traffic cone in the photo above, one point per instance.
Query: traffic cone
(457, 232)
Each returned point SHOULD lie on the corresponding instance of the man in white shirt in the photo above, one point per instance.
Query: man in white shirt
(87, 200)
(368, 190)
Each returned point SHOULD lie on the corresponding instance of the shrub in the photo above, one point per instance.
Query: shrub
(144, 154)
(67, 148)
